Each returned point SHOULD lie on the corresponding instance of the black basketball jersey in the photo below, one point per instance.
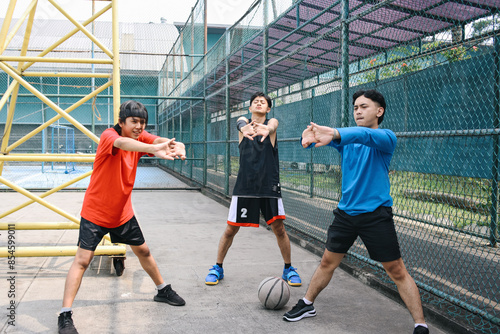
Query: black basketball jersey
(258, 175)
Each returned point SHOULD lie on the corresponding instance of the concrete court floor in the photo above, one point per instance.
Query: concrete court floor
(182, 229)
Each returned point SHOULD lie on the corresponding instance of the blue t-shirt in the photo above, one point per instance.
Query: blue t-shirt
(366, 155)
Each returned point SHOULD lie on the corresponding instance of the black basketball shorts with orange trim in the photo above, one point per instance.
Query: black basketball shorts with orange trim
(245, 211)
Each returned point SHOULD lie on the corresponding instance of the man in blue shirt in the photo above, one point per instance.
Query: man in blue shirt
(365, 207)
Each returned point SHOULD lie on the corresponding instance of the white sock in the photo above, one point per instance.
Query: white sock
(308, 302)
(66, 309)
(423, 325)
(161, 286)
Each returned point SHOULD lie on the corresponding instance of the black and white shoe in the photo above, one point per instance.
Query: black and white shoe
(421, 330)
(167, 295)
(300, 311)
(65, 323)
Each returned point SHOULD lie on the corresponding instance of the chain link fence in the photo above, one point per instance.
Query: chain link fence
(436, 61)
(438, 65)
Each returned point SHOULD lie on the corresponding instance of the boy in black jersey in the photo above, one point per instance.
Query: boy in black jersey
(257, 187)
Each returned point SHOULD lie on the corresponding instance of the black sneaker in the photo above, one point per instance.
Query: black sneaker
(421, 330)
(167, 295)
(299, 311)
(65, 323)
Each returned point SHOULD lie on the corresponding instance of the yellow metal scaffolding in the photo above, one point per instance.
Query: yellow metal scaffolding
(18, 74)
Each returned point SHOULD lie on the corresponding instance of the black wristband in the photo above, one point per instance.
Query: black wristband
(241, 123)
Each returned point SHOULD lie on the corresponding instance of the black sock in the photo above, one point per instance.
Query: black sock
(219, 264)
(287, 265)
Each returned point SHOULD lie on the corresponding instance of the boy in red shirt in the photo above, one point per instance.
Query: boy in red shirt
(107, 206)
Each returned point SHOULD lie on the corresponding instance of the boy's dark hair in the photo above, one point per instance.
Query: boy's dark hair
(132, 109)
(373, 95)
(258, 94)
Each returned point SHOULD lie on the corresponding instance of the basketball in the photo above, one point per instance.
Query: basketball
(273, 293)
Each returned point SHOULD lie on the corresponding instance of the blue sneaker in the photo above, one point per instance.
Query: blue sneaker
(215, 274)
(291, 276)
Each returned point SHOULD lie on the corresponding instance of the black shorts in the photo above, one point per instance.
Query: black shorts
(91, 234)
(376, 229)
(245, 211)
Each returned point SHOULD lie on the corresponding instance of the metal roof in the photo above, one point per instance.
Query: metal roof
(377, 27)
(305, 40)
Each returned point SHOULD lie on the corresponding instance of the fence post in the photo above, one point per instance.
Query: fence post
(181, 135)
(311, 153)
(191, 139)
(205, 128)
(265, 45)
(228, 122)
(494, 171)
(205, 109)
(345, 63)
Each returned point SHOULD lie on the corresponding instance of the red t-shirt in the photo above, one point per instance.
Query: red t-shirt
(107, 200)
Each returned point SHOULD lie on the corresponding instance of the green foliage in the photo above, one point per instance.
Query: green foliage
(456, 53)
(394, 69)
(484, 26)
(276, 102)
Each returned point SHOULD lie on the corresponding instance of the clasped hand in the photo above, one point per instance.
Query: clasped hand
(254, 129)
(317, 134)
(171, 150)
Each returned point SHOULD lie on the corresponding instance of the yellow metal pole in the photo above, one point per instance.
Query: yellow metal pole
(56, 60)
(9, 120)
(116, 61)
(42, 202)
(12, 107)
(67, 75)
(82, 29)
(18, 25)
(50, 103)
(86, 155)
(55, 154)
(61, 251)
(38, 200)
(44, 158)
(50, 192)
(55, 118)
(8, 123)
(13, 88)
(68, 35)
(17, 226)
(17, 76)
(13, 69)
(27, 33)
(7, 20)
(6, 96)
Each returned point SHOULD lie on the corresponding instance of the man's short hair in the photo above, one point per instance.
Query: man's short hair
(258, 94)
(373, 95)
(132, 109)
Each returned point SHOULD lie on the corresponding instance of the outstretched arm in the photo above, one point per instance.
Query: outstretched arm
(166, 149)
